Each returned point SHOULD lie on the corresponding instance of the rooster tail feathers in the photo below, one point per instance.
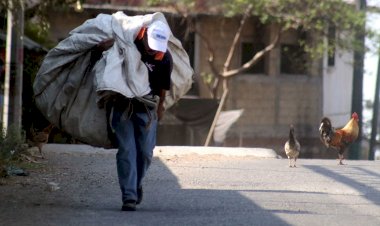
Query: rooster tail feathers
(291, 135)
(48, 128)
(325, 130)
(32, 131)
(325, 125)
(326, 122)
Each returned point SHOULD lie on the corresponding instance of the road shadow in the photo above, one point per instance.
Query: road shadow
(362, 180)
(172, 205)
(368, 172)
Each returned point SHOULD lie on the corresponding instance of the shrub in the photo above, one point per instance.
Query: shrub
(12, 144)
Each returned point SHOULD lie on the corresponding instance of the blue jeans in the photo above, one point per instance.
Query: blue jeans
(136, 136)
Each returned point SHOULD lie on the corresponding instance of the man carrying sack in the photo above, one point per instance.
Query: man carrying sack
(108, 85)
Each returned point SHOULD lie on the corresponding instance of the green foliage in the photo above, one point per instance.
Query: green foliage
(207, 78)
(313, 17)
(38, 32)
(36, 15)
(12, 144)
(189, 4)
(32, 63)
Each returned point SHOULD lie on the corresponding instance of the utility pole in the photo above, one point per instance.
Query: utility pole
(372, 142)
(12, 110)
(7, 70)
(357, 85)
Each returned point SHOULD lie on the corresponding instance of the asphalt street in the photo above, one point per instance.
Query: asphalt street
(77, 185)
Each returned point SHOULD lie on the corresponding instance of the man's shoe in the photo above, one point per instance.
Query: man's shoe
(140, 194)
(129, 205)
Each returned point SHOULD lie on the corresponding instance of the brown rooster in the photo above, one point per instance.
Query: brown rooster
(39, 138)
(339, 139)
(292, 147)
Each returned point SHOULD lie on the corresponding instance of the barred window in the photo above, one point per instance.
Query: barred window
(248, 50)
(293, 59)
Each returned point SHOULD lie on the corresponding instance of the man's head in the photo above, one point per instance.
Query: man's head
(158, 36)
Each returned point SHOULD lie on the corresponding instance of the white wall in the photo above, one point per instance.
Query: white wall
(337, 88)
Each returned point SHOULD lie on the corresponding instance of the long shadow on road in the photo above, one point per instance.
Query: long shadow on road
(167, 203)
(364, 181)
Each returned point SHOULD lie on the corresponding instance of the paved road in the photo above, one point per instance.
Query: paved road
(194, 189)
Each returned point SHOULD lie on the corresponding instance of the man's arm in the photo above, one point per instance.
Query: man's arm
(105, 45)
(160, 107)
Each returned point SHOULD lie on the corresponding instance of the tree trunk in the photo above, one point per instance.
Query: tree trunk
(12, 109)
(220, 107)
(372, 143)
(357, 92)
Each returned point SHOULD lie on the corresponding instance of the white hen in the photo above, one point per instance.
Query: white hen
(292, 147)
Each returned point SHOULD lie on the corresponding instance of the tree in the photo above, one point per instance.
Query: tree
(35, 14)
(372, 142)
(18, 11)
(357, 83)
(14, 65)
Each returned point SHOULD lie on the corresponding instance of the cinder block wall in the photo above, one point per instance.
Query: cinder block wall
(270, 105)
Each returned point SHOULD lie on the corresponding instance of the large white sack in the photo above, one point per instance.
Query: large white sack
(66, 89)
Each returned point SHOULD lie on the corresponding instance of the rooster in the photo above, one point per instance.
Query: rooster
(339, 139)
(39, 138)
(292, 147)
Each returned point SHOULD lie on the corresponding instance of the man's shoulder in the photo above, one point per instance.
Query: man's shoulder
(168, 57)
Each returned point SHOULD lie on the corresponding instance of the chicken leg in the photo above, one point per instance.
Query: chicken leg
(341, 158)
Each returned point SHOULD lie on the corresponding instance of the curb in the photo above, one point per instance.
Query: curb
(226, 151)
(169, 150)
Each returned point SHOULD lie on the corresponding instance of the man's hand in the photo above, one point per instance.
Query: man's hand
(105, 45)
(160, 107)
(160, 111)
(97, 50)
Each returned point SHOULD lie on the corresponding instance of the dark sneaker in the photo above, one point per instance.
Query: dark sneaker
(129, 205)
(140, 194)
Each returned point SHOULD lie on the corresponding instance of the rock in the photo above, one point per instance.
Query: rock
(52, 186)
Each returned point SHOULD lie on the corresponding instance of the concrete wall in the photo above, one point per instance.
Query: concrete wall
(63, 21)
(337, 89)
(271, 104)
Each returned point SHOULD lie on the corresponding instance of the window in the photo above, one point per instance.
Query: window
(248, 50)
(293, 59)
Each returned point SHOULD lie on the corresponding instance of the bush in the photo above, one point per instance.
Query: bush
(12, 144)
